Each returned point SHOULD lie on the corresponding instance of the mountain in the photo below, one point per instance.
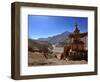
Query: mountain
(57, 39)
(41, 43)
(38, 45)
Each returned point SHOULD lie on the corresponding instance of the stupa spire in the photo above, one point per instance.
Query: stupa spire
(76, 30)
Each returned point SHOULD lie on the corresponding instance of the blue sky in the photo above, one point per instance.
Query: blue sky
(46, 26)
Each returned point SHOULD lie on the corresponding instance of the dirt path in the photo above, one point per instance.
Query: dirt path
(57, 49)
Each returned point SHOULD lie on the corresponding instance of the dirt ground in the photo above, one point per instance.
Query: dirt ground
(36, 59)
